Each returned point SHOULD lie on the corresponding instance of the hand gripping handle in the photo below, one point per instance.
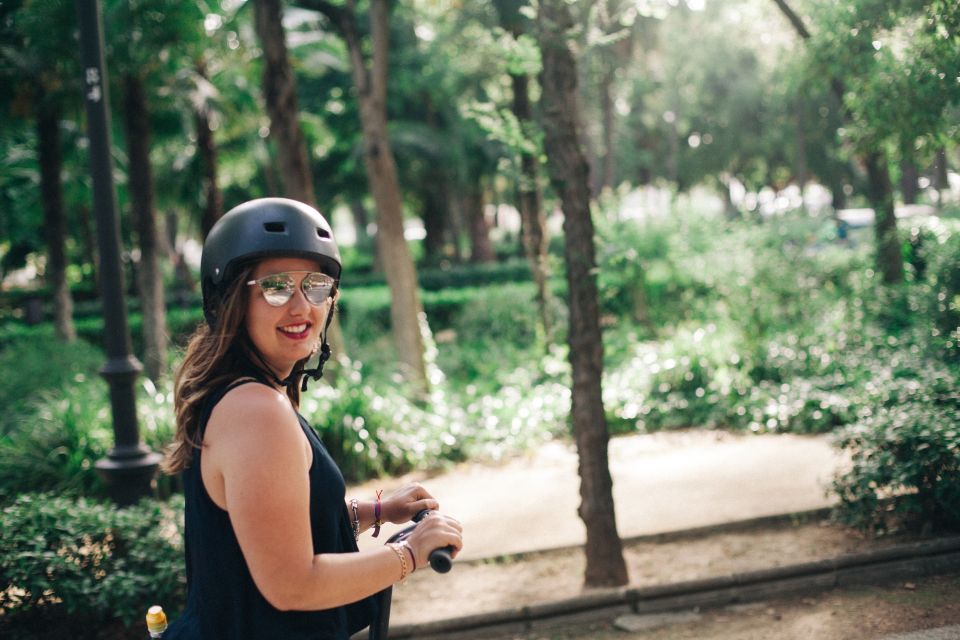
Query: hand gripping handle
(440, 559)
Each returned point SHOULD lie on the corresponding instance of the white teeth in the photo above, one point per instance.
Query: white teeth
(299, 328)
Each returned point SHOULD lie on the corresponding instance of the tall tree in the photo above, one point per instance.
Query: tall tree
(533, 218)
(37, 73)
(49, 155)
(206, 149)
(569, 174)
(370, 82)
(136, 120)
(876, 165)
(883, 62)
(474, 208)
(280, 92)
(144, 42)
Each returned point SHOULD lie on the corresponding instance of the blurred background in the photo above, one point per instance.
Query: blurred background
(773, 195)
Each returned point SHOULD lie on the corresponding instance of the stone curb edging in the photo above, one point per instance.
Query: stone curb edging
(901, 561)
(823, 513)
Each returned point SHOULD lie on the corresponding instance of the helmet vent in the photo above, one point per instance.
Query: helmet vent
(323, 233)
(275, 227)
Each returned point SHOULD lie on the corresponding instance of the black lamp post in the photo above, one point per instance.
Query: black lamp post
(129, 468)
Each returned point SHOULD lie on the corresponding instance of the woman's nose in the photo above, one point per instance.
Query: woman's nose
(298, 302)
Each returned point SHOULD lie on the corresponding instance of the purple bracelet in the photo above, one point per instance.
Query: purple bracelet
(376, 515)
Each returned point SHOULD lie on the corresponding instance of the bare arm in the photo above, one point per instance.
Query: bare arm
(257, 460)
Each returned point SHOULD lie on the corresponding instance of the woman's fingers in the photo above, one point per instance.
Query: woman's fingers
(436, 532)
(407, 501)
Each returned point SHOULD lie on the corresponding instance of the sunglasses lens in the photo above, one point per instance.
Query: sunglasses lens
(277, 289)
(317, 287)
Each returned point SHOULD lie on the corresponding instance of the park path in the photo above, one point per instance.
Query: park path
(662, 482)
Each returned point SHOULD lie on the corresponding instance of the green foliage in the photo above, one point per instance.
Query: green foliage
(907, 453)
(181, 323)
(58, 422)
(371, 431)
(495, 331)
(463, 275)
(626, 255)
(365, 312)
(30, 368)
(934, 257)
(891, 59)
(72, 566)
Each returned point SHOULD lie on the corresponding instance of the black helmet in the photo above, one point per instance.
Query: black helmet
(259, 229)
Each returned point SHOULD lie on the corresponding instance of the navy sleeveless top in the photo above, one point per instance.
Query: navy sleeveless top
(222, 599)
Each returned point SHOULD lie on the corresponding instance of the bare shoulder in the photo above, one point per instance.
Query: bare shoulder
(254, 418)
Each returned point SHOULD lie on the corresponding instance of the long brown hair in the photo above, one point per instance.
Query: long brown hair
(214, 357)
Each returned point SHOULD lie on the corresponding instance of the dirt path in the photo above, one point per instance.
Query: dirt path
(864, 613)
(486, 586)
(665, 481)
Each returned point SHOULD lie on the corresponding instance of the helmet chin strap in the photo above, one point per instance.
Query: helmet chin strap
(317, 372)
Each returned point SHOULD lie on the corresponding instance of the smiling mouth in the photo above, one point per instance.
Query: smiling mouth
(295, 330)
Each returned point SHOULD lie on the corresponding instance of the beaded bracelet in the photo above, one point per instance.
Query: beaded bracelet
(355, 507)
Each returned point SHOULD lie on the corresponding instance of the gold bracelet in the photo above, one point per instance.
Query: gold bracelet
(406, 545)
(398, 549)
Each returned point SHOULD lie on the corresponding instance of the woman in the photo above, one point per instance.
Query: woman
(270, 538)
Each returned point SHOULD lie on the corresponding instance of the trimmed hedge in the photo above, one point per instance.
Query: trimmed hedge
(366, 309)
(79, 568)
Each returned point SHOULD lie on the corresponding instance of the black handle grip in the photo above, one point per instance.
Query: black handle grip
(441, 559)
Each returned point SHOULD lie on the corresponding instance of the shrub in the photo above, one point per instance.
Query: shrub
(53, 444)
(936, 265)
(907, 451)
(73, 567)
(454, 276)
(30, 367)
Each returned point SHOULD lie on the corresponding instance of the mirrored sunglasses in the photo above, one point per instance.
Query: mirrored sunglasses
(278, 288)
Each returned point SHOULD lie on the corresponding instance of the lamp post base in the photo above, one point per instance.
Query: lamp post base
(129, 475)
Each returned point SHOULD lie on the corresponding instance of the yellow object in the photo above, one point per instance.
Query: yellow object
(156, 621)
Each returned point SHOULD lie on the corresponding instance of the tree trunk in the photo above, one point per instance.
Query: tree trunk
(183, 281)
(89, 244)
(532, 216)
(50, 159)
(889, 254)
(908, 181)
(140, 177)
(607, 116)
(533, 223)
(280, 92)
(838, 199)
(802, 173)
(456, 229)
(360, 222)
(569, 174)
(371, 86)
(940, 182)
(435, 215)
(673, 158)
(207, 152)
(479, 230)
